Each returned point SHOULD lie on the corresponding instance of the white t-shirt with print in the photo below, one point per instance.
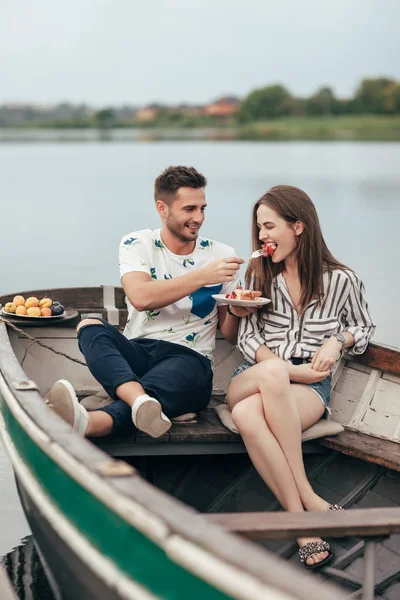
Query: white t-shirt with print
(191, 321)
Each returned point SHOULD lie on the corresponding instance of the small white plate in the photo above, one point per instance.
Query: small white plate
(7, 314)
(221, 299)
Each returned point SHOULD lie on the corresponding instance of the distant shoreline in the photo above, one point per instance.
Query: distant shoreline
(379, 128)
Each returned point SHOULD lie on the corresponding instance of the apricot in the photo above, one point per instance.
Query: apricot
(31, 302)
(10, 307)
(33, 311)
(20, 310)
(45, 312)
(19, 301)
(45, 303)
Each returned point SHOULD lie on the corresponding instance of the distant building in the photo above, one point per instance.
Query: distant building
(148, 113)
(223, 107)
(187, 110)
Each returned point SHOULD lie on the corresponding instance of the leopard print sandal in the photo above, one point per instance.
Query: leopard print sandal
(314, 548)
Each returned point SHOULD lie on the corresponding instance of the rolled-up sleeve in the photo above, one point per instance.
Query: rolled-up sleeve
(250, 337)
(357, 317)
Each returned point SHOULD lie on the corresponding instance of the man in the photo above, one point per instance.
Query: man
(162, 366)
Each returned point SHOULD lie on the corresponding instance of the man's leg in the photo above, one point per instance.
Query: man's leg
(117, 364)
(181, 379)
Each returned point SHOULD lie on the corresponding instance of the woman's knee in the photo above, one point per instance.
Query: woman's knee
(87, 322)
(231, 397)
(247, 414)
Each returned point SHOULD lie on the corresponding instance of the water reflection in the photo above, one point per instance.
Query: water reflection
(26, 573)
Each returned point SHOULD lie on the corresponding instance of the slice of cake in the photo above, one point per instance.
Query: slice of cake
(240, 294)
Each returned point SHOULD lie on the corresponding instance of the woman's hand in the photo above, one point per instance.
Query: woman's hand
(306, 374)
(243, 311)
(326, 356)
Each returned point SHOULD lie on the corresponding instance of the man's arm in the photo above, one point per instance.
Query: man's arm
(228, 324)
(145, 293)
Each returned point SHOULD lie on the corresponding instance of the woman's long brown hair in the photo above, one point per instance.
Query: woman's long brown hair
(313, 255)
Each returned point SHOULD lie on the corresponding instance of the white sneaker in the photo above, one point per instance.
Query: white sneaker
(147, 416)
(62, 399)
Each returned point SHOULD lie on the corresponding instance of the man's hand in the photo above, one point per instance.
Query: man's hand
(243, 311)
(306, 374)
(221, 270)
(326, 355)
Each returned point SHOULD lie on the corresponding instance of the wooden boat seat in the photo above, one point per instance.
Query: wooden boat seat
(204, 435)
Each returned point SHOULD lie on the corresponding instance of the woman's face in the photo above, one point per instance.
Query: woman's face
(272, 228)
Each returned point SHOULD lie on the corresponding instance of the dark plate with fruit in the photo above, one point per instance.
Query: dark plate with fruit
(31, 321)
(18, 316)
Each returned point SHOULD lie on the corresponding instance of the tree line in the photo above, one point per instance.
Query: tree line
(373, 96)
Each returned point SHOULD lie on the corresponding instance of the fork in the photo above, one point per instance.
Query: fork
(255, 254)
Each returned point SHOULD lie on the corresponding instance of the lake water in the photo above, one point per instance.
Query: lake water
(65, 207)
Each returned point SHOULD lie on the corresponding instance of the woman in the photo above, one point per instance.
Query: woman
(317, 310)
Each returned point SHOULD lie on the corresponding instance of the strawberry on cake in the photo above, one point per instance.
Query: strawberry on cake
(268, 249)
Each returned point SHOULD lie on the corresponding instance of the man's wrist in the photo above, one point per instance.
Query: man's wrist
(230, 312)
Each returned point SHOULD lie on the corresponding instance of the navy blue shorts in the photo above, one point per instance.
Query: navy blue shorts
(321, 388)
(179, 378)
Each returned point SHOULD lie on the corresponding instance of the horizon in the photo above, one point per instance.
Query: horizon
(43, 105)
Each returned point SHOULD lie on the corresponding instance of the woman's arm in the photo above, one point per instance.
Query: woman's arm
(357, 316)
(250, 338)
(297, 373)
(359, 328)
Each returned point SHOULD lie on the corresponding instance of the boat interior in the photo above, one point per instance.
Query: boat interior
(204, 464)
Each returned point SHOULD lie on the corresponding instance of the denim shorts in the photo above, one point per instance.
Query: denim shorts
(321, 388)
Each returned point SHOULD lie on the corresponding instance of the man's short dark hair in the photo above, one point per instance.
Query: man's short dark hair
(173, 178)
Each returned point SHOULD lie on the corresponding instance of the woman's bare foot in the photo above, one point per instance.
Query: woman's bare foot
(314, 558)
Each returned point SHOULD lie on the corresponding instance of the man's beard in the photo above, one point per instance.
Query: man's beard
(179, 232)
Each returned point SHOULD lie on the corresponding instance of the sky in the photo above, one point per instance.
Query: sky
(116, 52)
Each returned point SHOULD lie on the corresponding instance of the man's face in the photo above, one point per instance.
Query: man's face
(185, 215)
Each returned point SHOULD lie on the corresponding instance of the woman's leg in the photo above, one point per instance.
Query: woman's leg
(265, 452)
(279, 464)
(288, 410)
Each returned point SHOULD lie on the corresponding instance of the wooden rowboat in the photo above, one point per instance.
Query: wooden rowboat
(163, 523)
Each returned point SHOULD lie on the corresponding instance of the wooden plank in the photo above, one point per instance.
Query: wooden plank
(366, 398)
(387, 397)
(342, 407)
(123, 317)
(359, 445)
(55, 333)
(347, 393)
(123, 450)
(358, 366)
(120, 297)
(352, 383)
(390, 377)
(380, 424)
(207, 429)
(380, 357)
(44, 367)
(285, 525)
(337, 373)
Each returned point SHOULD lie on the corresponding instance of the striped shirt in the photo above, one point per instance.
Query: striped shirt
(288, 334)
